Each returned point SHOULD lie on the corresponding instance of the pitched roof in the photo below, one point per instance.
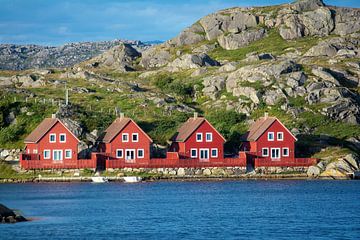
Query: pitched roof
(115, 128)
(258, 128)
(42, 129)
(188, 128)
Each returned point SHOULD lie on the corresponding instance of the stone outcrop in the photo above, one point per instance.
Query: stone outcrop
(234, 41)
(155, 57)
(188, 36)
(189, 61)
(9, 216)
(120, 57)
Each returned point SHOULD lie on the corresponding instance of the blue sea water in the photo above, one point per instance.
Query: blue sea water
(185, 210)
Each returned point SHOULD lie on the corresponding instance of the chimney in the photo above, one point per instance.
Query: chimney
(196, 115)
(266, 115)
(122, 115)
(53, 116)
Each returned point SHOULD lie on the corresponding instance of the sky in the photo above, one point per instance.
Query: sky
(55, 22)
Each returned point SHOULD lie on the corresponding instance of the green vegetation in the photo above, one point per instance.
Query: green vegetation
(230, 124)
(273, 43)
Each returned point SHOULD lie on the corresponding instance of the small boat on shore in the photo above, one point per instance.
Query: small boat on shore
(132, 179)
(99, 179)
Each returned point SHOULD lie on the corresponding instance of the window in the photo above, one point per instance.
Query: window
(270, 136)
(140, 153)
(265, 152)
(280, 136)
(68, 153)
(57, 155)
(35, 151)
(52, 137)
(119, 153)
(199, 137)
(125, 137)
(275, 153)
(46, 154)
(193, 152)
(135, 137)
(209, 137)
(214, 152)
(62, 137)
(285, 152)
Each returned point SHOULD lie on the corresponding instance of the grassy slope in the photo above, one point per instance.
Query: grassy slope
(154, 120)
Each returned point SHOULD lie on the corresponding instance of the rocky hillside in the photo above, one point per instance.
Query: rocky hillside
(20, 57)
(299, 62)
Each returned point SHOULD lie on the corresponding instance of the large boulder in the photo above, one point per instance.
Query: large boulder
(306, 5)
(188, 36)
(273, 96)
(188, 61)
(234, 41)
(155, 57)
(292, 27)
(264, 73)
(313, 171)
(213, 86)
(248, 92)
(28, 81)
(346, 20)
(5, 81)
(340, 103)
(318, 22)
(234, 22)
(120, 57)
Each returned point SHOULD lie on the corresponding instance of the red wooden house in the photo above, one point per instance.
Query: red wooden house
(52, 144)
(126, 142)
(268, 138)
(198, 139)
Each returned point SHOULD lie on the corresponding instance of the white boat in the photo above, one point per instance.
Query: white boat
(99, 179)
(132, 179)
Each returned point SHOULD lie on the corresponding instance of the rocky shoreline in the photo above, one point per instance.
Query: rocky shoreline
(9, 216)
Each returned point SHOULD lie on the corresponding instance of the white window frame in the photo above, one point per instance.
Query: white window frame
(281, 134)
(62, 134)
(35, 151)
(130, 160)
(68, 150)
(143, 153)
(262, 152)
(211, 153)
(49, 154)
(288, 152)
(61, 155)
(122, 137)
(196, 152)
(52, 134)
(208, 153)
(275, 159)
(122, 153)
(137, 137)
(201, 138)
(211, 137)
(273, 134)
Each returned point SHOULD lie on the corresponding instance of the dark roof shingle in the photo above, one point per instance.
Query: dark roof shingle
(115, 128)
(41, 130)
(258, 128)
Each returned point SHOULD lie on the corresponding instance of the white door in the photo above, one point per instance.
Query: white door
(275, 153)
(204, 155)
(57, 155)
(130, 155)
